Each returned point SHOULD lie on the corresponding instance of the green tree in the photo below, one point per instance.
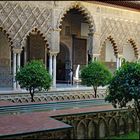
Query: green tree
(125, 87)
(34, 76)
(95, 74)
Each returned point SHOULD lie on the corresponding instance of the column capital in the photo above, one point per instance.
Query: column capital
(120, 56)
(53, 53)
(90, 34)
(17, 50)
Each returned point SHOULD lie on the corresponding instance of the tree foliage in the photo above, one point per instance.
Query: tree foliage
(95, 74)
(125, 87)
(33, 76)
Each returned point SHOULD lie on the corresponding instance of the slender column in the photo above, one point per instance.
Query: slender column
(96, 45)
(119, 61)
(50, 64)
(16, 64)
(90, 44)
(54, 48)
(54, 71)
(18, 61)
(14, 70)
(18, 67)
(25, 55)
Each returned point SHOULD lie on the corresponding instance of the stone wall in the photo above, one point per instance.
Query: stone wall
(93, 125)
(101, 124)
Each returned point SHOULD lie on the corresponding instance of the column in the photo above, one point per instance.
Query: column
(54, 71)
(50, 64)
(96, 57)
(14, 70)
(96, 46)
(119, 61)
(18, 67)
(25, 55)
(54, 49)
(90, 44)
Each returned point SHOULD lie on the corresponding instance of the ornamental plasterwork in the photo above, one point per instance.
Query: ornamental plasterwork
(120, 30)
(18, 20)
(82, 8)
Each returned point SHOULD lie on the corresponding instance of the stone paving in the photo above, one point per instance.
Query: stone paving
(41, 121)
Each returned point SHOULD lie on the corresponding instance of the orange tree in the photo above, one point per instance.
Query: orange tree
(125, 87)
(33, 76)
(95, 74)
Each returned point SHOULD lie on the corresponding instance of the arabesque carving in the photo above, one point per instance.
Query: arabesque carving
(18, 20)
(81, 8)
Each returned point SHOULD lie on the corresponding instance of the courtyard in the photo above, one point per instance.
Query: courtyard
(66, 37)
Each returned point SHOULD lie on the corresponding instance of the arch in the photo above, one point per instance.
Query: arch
(26, 53)
(112, 127)
(109, 53)
(133, 44)
(92, 130)
(84, 11)
(63, 63)
(102, 128)
(122, 125)
(113, 43)
(7, 35)
(131, 124)
(81, 130)
(34, 31)
(6, 63)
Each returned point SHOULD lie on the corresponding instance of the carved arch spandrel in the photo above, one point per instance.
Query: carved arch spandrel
(85, 12)
(34, 31)
(7, 34)
(19, 19)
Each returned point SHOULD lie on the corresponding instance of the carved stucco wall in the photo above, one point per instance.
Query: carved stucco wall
(122, 25)
(118, 23)
(19, 18)
(121, 31)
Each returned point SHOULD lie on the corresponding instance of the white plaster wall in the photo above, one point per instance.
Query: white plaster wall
(109, 52)
(128, 53)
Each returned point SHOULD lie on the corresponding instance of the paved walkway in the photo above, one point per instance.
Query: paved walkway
(41, 121)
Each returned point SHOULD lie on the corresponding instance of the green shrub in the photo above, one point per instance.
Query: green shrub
(95, 74)
(33, 76)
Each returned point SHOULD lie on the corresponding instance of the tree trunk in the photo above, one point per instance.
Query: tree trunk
(32, 95)
(95, 91)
